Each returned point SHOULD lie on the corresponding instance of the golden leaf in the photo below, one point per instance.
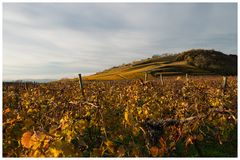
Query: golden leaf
(7, 110)
(37, 153)
(110, 146)
(128, 117)
(26, 139)
(55, 152)
(189, 141)
(154, 151)
(46, 143)
(36, 139)
(32, 140)
(30, 110)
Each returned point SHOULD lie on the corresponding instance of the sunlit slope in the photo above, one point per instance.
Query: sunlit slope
(132, 71)
(195, 62)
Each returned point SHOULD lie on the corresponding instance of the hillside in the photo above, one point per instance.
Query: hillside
(194, 62)
(213, 61)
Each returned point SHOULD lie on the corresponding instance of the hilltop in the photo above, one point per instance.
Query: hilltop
(194, 62)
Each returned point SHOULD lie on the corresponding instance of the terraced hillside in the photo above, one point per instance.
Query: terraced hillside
(195, 62)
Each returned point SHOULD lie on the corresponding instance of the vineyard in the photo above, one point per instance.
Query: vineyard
(125, 118)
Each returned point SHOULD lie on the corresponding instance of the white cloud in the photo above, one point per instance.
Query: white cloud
(54, 40)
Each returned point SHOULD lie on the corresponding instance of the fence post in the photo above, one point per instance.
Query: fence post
(186, 77)
(146, 76)
(161, 78)
(224, 85)
(25, 85)
(81, 84)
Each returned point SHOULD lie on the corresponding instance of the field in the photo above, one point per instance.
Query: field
(165, 65)
(192, 117)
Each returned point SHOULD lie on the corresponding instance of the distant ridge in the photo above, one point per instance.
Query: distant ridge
(31, 80)
(195, 62)
(211, 60)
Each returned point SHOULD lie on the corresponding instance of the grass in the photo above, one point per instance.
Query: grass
(154, 67)
(203, 62)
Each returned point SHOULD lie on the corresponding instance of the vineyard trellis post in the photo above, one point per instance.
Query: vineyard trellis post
(81, 84)
(25, 85)
(186, 77)
(161, 78)
(224, 85)
(146, 76)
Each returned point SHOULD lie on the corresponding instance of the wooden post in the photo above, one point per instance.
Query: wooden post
(224, 85)
(81, 84)
(25, 85)
(186, 77)
(161, 78)
(146, 76)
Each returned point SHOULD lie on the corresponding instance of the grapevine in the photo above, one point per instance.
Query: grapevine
(127, 118)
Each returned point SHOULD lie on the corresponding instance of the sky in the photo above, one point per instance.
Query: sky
(60, 40)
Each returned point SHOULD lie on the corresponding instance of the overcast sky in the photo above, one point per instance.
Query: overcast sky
(55, 40)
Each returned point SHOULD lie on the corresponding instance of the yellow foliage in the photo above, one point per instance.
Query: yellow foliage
(55, 152)
(123, 123)
(37, 153)
(7, 110)
(32, 139)
(126, 117)
(26, 139)
(110, 146)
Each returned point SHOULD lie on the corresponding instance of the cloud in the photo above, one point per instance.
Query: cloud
(55, 40)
